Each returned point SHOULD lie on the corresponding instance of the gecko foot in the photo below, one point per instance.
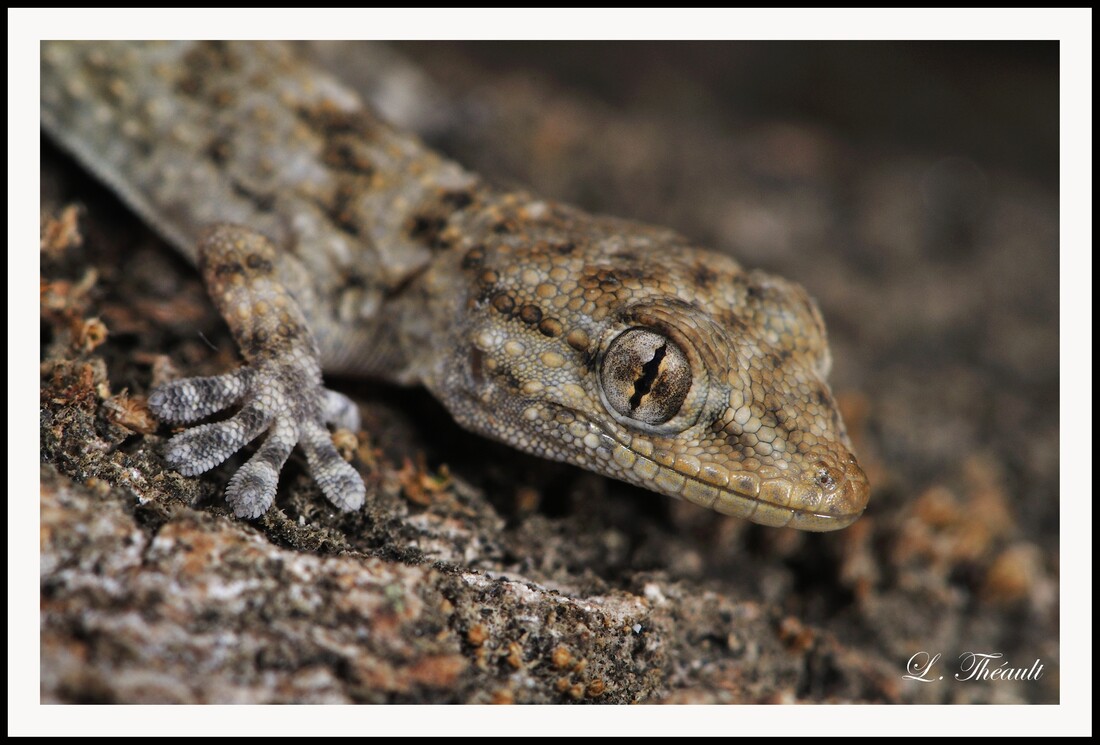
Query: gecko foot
(279, 392)
(271, 401)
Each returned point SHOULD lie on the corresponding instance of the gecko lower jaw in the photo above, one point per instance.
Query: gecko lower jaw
(773, 501)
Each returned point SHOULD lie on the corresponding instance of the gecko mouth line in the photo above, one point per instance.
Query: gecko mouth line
(619, 460)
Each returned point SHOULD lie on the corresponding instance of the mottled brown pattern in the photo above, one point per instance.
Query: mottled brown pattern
(505, 306)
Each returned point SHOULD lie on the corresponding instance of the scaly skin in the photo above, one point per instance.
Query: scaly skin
(607, 344)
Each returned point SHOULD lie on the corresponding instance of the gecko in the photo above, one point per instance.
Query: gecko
(332, 242)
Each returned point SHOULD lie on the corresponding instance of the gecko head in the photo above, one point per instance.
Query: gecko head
(697, 380)
(726, 405)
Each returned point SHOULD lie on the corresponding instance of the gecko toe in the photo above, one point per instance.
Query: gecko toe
(199, 449)
(191, 399)
(340, 411)
(339, 481)
(252, 490)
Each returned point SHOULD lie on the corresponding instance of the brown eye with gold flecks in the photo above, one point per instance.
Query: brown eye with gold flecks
(645, 376)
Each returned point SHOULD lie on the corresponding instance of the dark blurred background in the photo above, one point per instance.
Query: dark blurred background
(997, 101)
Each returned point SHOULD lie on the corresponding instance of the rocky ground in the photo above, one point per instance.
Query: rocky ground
(477, 574)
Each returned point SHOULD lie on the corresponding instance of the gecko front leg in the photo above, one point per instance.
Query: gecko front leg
(280, 391)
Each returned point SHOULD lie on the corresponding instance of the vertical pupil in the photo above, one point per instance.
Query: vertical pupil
(650, 370)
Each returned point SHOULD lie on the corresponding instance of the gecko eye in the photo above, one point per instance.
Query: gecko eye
(645, 376)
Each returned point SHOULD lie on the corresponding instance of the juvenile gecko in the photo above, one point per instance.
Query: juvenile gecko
(328, 240)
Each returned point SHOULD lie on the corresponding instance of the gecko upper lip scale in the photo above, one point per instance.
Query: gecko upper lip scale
(341, 244)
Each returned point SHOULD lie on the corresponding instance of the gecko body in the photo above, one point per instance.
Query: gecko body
(341, 244)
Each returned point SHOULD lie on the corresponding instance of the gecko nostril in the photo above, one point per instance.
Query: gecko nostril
(827, 478)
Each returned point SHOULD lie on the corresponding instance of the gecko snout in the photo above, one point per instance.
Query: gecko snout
(846, 493)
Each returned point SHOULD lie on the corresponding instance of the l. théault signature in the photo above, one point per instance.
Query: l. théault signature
(972, 666)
